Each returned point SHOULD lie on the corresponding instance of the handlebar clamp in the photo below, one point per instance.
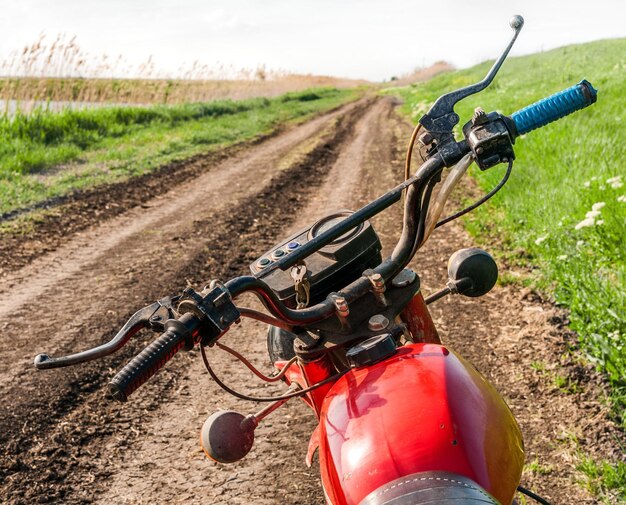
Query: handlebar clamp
(214, 308)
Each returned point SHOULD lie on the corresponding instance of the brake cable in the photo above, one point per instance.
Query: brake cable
(502, 182)
(242, 396)
(252, 368)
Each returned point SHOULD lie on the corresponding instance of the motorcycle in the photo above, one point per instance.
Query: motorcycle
(402, 419)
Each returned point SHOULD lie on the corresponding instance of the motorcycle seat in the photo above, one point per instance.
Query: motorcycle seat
(430, 488)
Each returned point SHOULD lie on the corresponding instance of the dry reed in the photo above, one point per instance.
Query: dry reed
(61, 72)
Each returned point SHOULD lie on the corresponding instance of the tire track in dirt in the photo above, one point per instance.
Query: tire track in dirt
(274, 471)
(78, 211)
(54, 429)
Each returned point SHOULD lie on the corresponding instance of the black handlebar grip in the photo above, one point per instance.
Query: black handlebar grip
(146, 364)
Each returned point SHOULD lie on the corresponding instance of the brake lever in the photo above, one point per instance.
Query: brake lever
(441, 118)
(153, 316)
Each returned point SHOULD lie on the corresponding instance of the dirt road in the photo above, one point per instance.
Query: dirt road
(72, 285)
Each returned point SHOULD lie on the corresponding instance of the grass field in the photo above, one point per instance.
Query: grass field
(562, 215)
(47, 154)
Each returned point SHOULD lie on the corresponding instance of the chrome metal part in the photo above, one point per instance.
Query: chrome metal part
(377, 322)
(516, 22)
(341, 309)
(341, 306)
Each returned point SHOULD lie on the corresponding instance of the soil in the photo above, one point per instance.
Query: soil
(72, 282)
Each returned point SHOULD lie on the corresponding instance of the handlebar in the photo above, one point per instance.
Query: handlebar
(186, 331)
(206, 316)
(554, 107)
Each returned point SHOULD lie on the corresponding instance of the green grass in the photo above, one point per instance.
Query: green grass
(563, 172)
(47, 154)
(604, 480)
(537, 468)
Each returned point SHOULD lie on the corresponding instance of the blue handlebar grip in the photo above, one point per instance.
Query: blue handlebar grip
(554, 107)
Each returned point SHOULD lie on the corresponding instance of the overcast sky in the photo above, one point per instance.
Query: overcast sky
(360, 39)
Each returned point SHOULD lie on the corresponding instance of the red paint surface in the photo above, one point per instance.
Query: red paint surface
(307, 374)
(423, 409)
(419, 322)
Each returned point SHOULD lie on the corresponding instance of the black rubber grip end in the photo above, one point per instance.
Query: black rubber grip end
(41, 360)
(145, 365)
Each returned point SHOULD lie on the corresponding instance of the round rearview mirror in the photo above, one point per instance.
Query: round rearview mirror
(473, 271)
(227, 436)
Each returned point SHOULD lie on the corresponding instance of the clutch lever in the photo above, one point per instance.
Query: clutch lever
(153, 316)
(441, 118)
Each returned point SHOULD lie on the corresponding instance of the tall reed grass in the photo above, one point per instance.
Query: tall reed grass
(58, 70)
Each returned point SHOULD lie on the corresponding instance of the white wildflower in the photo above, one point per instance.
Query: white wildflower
(598, 206)
(580, 243)
(587, 184)
(615, 182)
(621, 198)
(590, 221)
(541, 239)
(599, 222)
(592, 214)
(594, 178)
(562, 257)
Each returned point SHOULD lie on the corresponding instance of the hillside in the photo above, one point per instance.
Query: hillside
(561, 220)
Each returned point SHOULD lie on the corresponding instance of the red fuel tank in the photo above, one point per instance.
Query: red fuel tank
(423, 409)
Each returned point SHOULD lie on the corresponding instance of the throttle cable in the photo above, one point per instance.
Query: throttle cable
(423, 212)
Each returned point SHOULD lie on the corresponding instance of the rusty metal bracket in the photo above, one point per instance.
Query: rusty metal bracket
(341, 309)
(378, 286)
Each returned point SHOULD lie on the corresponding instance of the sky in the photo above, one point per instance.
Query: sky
(369, 39)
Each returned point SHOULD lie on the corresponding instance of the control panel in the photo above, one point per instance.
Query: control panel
(329, 269)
